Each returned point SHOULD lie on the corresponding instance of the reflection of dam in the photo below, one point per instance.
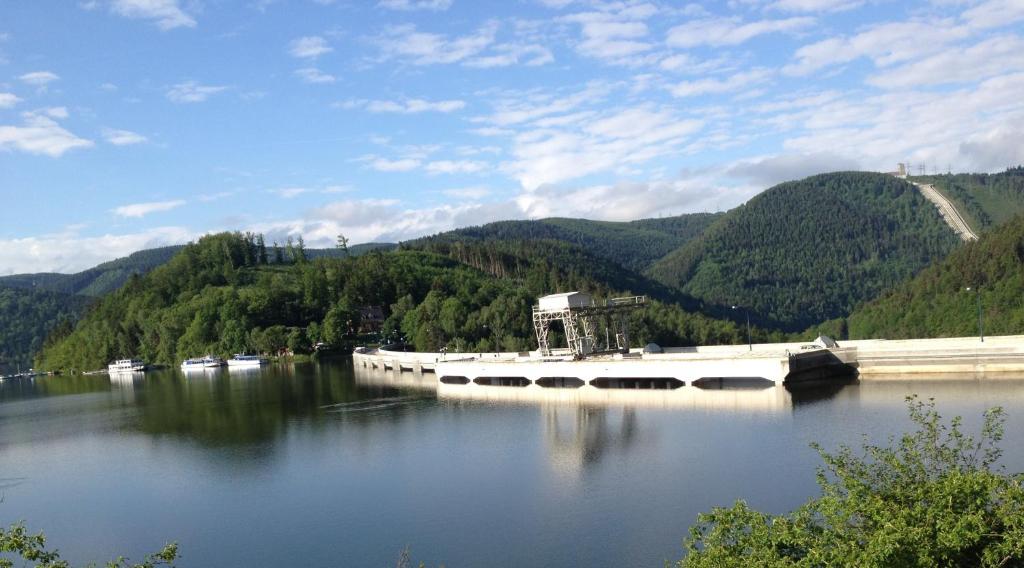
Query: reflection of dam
(582, 435)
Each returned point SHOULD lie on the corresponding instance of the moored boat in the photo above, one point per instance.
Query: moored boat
(127, 366)
(240, 360)
(211, 361)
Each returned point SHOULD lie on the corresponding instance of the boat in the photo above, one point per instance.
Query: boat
(126, 366)
(240, 360)
(200, 363)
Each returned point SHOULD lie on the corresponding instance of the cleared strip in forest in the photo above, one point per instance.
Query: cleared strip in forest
(948, 211)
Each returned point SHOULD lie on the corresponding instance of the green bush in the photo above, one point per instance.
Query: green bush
(933, 498)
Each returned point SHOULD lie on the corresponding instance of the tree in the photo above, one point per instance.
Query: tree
(278, 255)
(32, 548)
(934, 498)
(300, 251)
(343, 244)
(261, 249)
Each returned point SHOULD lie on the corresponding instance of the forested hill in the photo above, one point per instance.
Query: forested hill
(634, 244)
(98, 280)
(985, 201)
(936, 302)
(807, 251)
(26, 318)
(220, 295)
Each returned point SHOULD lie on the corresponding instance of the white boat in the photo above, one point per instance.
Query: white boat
(240, 360)
(212, 362)
(193, 364)
(126, 366)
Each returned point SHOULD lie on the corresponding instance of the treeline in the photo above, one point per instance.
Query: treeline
(219, 296)
(634, 244)
(808, 251)
(937, 303)
(27, 317)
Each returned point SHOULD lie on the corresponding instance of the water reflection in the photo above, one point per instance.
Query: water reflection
(578, 438)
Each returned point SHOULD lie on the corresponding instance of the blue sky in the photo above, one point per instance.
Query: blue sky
(127, 124)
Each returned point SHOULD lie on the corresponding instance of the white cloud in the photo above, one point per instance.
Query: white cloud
(166, 13)
(455, 166)
(400, 165)
(314, 76)
(7, 100)
(619, 139)
(729, 84)
(39, 78)
(409, 5)
(994, 13)
(122, 137)
(730, 31)
(407, 106)
(422, 48)
(291, 192)
(309, 47)
(56, 112)
(40, 135)
(506, 54)
(139, 210)
(467, 192)
(192, 92)
(69, 251)
(815, 5)
(612, 36)
(771, 170)
(885, 44)
(993, 56)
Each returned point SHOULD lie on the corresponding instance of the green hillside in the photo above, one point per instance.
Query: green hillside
(807, 251)
(634, 244)
(98, 280)
(26, 318)
(218, 296)
(936, 304)
(986, 201)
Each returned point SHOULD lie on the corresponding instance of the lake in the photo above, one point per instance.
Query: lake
(317, 465)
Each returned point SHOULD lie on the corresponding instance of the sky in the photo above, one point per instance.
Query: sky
(130, 124)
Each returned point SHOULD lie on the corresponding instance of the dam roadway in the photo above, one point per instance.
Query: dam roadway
(773, 363)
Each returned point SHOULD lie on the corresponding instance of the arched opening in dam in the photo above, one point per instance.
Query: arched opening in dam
(659, 383)
(560, 382)
(502, 381)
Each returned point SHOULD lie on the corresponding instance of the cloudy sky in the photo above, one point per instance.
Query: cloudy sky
(127, 124)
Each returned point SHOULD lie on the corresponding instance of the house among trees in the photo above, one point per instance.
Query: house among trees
(371, 319)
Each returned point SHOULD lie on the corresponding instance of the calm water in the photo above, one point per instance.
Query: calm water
(314, 465)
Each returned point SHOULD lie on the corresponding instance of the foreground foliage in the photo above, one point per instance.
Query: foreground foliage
(935, 497)
(17, 542)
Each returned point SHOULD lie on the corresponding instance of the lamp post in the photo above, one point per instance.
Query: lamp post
(750, 343)
(981, 324)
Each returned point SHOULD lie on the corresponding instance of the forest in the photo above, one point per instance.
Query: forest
(808, 251)
(226, 293)
(937, 303)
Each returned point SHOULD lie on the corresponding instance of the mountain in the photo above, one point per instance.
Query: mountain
(26, 319)
(98, 280)
(807, 251)
(634, 244)
(985, 201)
(215, 296)
(936, 303)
